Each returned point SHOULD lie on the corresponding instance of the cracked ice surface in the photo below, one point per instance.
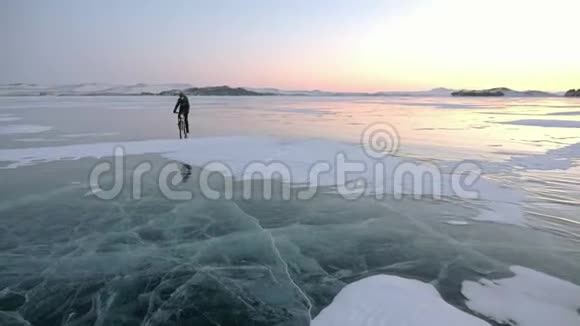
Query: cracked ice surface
(180, 267)
(67, 259)
(71, 259)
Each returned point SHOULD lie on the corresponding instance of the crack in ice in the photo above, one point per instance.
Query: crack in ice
(290, 277)
(279, 256)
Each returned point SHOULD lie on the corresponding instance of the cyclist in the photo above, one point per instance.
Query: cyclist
(183, 106)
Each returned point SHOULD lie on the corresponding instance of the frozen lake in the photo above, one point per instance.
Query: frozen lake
(377, 251)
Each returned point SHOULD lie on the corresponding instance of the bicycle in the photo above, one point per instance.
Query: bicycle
(181, 127)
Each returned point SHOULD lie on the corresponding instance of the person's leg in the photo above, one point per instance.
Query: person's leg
(185, 115)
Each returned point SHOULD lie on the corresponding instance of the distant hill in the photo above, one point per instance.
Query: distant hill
(214, 91)
(511, 92)
(283, 92)
(275, 91)
(573, 93)
(86, 89)
(502, 91)
(478, 93)
(435, 92)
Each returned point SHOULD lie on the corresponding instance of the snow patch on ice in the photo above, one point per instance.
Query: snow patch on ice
(565, 113)
(545, 123)
(22, 129)
(35, 140)
(308, 111)
(530, 298)
(9, 119)
(90, 134)
(453, 222)
(557, 159)
(498, 204)
(384, 300)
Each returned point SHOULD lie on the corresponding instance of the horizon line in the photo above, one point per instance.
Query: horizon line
(274, 87)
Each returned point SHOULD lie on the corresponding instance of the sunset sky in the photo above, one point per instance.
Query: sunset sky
(332, 45)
